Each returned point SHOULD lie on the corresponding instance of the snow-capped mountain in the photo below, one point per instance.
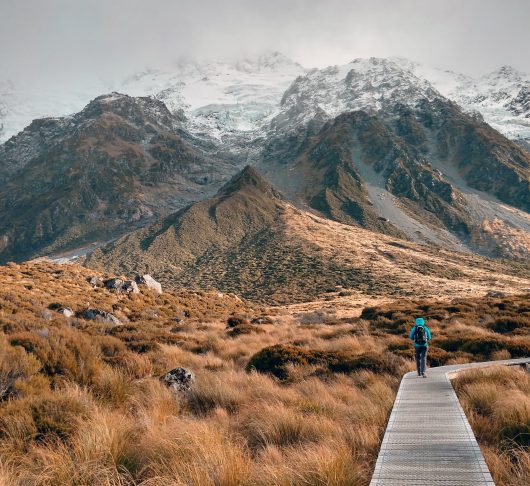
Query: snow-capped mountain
(364, 84)
(226, 99)
(502, 97)
(220, 98)
(20, 104)
(373, 143)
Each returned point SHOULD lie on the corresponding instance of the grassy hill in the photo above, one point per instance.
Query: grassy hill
(249, 240)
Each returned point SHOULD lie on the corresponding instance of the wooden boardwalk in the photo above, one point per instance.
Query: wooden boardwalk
(428, 440)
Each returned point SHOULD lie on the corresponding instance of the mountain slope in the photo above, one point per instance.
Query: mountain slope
(410, 162)
(249, 240)
(221, 99)
(121, 161)
(502, 97)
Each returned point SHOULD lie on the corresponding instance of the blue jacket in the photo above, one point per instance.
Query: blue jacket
(420, 322)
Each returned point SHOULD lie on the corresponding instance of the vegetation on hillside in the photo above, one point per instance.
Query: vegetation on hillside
(276, 401)
(497, 404)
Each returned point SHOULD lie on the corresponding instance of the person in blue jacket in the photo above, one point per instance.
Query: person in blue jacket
(420, 335)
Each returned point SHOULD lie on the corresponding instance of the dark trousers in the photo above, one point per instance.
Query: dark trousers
(421, 358)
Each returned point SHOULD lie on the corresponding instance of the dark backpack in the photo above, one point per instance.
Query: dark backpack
(420, 336)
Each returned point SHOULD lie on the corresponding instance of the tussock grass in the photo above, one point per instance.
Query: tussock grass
(283, 402)
(497, 403)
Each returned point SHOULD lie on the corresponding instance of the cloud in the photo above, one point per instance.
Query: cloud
(83, 41)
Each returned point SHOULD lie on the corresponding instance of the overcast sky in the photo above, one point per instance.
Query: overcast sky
(83, 40)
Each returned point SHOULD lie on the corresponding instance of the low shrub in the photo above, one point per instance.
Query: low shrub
(18, 371)
(63, 352)
(341, 362)
(276, 359)
(507, 325)
(244, 329)
(49, 416)
(234, 321)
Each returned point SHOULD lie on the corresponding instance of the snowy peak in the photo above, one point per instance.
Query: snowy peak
(502, 96)
(504, 74)
(364, 84)
(221, 99)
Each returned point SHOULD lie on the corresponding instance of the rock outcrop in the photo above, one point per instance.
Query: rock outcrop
(93, 314)
(178, 380)
(148, 282)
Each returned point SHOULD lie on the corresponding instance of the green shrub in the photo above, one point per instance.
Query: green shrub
(343, 362)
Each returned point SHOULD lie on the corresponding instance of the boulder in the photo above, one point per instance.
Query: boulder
(495, 294)
(130, 287)
(262, 320)
(178, 379)
(113, 284)
(66, 312)
(95, 281)
(92, 314)
(149, 282)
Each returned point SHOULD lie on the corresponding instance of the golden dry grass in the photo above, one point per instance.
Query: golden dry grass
(497, 404)
(81, 402)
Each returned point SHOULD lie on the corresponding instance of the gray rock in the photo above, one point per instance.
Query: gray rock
(262, 320)
(66, 311)
(113, 284)
(130, 287)
(178, 379)
(92, 314)
(95, 281)
(149, 282)
(495, 294)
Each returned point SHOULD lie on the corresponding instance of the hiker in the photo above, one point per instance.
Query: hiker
(421, 335)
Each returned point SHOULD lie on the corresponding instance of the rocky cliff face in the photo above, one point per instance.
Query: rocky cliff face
(121, 161)
(423, 168)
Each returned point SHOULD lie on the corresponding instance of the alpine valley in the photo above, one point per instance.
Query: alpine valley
(214, 174)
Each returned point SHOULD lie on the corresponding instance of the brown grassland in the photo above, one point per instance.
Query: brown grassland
(281, 397)
(497, 403)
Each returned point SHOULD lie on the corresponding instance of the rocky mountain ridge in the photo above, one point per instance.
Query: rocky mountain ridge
(117, 164)
(501, 97)
(371, 143)
(248, 239)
